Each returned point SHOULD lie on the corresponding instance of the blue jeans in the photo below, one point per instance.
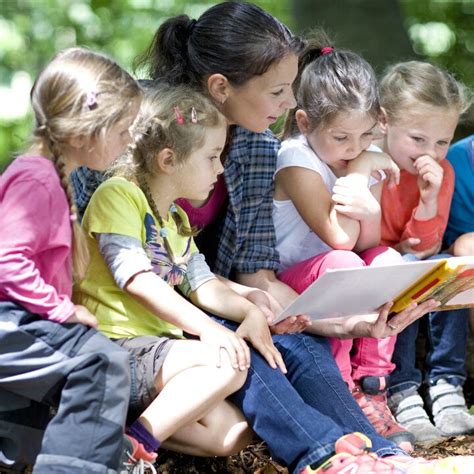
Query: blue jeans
(73, 368)
(301, 415)
(447, 334)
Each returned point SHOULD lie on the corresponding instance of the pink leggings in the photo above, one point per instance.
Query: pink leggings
(356, 358)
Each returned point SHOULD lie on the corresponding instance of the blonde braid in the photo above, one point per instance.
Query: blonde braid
(151, 202)
(80, 249)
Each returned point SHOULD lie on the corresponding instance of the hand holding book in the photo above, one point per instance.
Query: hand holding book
(362, 291)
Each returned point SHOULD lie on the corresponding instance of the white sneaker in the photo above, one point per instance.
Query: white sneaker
(407, 407)
(449, 410)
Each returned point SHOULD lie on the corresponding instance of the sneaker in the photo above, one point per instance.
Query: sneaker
(353, 457)
(135, 459)
(371, 396)
(450, 465)
(407, 407)
(449, 410)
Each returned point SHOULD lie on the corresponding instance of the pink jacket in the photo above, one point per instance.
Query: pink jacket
(35, 239)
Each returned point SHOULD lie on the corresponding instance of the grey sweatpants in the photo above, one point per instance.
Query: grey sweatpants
(74, 369)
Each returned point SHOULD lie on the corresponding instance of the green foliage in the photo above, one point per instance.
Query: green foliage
(442, 31)
(31, 31)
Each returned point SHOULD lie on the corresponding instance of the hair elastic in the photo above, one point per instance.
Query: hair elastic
(326, 50)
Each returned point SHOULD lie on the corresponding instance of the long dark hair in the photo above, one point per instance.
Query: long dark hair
(236, 39)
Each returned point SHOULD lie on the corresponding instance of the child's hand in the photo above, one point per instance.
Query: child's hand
(406, 246)
(83, 316)
(430, 178)
(354, 199)
(222, 338)
(264, 301)
(254, 328)
(369, 163)
(291, 325)
(270, 307)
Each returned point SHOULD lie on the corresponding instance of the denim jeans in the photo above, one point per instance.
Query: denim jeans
(447, 334)
(73, 368)
(301, 415)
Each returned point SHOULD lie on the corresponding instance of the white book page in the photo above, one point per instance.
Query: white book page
(353, 291)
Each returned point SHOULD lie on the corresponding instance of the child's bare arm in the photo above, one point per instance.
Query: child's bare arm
(302, 186)
(356, 200)
(217, 297)
(162, 300)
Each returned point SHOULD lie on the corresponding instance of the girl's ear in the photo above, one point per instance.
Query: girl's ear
(302, 121)
(166, 161)
(218, 87)
(77, 142)
(383, 124)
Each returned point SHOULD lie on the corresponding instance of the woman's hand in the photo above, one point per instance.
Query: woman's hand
(83, 316)
(254, 328)
(222, 338)
(380, 326)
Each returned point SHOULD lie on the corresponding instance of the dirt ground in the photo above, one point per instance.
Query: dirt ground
(256, 460)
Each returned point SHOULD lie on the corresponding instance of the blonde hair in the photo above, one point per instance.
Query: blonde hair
(80, 93)
(158, 127)
(415, 83)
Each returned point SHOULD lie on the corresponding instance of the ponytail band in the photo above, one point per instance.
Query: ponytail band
(326, 50)
(191, 26)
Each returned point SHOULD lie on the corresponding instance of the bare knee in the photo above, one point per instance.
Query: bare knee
(233, 443)
(232, 379)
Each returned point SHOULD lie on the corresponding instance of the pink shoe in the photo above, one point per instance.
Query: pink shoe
(450, 465)
(353, 457)
(373, 403)
(135, 458)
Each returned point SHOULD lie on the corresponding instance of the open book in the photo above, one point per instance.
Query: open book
(362, 290)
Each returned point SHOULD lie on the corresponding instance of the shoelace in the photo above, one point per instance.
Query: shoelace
(376, 405)
(139, 466)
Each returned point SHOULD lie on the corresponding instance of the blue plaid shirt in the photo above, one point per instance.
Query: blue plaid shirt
(84, 182)
(246, 242)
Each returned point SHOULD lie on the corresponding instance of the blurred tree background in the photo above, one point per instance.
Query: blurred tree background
(31, 31)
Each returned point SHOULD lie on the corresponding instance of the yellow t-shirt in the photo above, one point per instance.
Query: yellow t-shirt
(120, 207)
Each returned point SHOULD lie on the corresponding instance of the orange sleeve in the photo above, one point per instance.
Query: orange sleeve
(431, 231)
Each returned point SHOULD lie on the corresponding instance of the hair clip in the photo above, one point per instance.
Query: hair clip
(91, 100)
(178, 115)
(73, 217)
(194, 118)
(163, 233)
(173, 208)
(326, 50)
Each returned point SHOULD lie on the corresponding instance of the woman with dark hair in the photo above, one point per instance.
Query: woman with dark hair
(246, 61)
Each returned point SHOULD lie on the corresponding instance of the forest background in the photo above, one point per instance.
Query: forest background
(383, 31)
